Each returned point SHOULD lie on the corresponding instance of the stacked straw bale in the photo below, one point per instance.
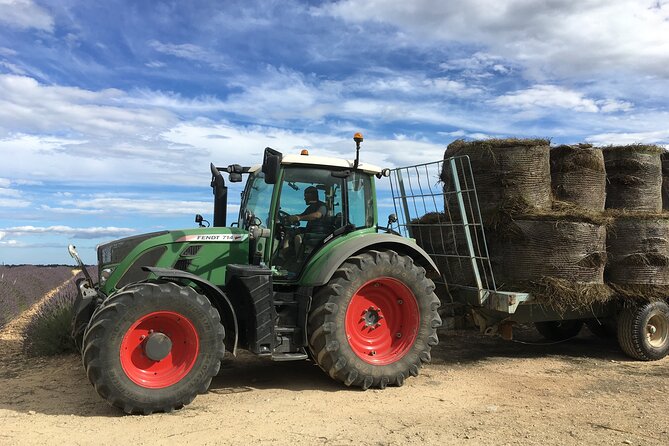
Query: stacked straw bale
(638, 239)
(554, 249)
(639, 250)
(578, 176)
(509, 173)
(634, 176)
(573, 225)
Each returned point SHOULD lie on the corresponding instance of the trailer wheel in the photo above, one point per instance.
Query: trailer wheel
(559, 330)
(152, 347)
(375, 322)
(643, 331)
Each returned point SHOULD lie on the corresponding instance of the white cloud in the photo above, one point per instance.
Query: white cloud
(285, 95)
(552, 96)
(111, 136)
(7, 51)
(12, 68)
(25, 14)
(190, 51)
(155, 64)
(28, 106)
(479, 65)
(13, 203)
(117, 205)
(73, 210)
(7, 192)
(611, 106)
(624, 138)
(173, 101)
(457, 134)
(90, 232)
(566, 37)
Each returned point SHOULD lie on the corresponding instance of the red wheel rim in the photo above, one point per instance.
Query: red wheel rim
(382, 321)
(151, 374)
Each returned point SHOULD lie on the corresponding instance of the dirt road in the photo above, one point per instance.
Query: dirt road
(477, 391)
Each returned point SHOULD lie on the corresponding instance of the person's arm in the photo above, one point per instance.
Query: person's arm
(319, 213)
(310, 217)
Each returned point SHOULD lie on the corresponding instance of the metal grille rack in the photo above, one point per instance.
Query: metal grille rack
(437, 204)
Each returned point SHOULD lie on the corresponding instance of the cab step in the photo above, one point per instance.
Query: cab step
(289, 356)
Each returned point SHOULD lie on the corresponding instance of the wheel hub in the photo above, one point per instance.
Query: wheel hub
(656, 331)
(157, 346)
(372, 317)
(159, 349)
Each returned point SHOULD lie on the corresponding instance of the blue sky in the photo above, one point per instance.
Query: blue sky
(111, 112)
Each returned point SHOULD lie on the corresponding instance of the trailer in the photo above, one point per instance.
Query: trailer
(642, 327)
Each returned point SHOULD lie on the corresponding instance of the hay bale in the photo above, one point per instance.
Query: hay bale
(638, 252)
(560, 262)
(509, 173)
(634, 178)
(427, 230)
(531, 249)
(448, 247)
(578, 176)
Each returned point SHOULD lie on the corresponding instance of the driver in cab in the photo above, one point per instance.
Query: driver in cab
(314, 215)
(314, 211)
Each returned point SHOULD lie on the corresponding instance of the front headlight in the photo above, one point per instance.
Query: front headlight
(104, 275)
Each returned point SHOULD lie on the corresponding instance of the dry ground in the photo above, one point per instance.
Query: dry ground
(477, 390)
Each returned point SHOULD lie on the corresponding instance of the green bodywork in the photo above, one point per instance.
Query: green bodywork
(209, 263)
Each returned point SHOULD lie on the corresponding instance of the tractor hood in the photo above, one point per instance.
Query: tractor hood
(202, 251)
(114, 252)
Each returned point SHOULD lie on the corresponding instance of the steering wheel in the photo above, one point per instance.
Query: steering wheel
(251, 219)
(284, 219)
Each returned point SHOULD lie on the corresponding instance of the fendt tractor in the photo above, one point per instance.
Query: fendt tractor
(305, 271)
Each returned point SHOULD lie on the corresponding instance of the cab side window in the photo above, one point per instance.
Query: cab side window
(360, 203)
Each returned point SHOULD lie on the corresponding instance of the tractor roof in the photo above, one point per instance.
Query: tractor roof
(327, 161)
(323, 161)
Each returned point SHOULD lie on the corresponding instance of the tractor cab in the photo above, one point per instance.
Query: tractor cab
(305, 202)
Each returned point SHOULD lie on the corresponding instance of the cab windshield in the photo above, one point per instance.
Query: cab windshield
(256, 199)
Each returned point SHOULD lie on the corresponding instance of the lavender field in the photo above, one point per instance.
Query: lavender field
(22, 286)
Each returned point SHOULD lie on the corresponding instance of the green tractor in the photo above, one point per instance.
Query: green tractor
(324, 282)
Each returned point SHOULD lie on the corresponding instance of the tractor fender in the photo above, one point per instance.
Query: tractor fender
(218, 299)
(320, 271)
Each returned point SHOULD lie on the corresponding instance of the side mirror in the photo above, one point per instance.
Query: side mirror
(270, 165)
(235, 177)
(392, 219)
(199, 220)
(384, 173)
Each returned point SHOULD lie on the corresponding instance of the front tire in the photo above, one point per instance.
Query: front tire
(152, 347)
(375, 322)
(643, 331)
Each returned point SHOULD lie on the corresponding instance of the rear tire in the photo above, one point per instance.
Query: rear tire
(375, 322)
(559, 330)
(124, 351)
(643, 331)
